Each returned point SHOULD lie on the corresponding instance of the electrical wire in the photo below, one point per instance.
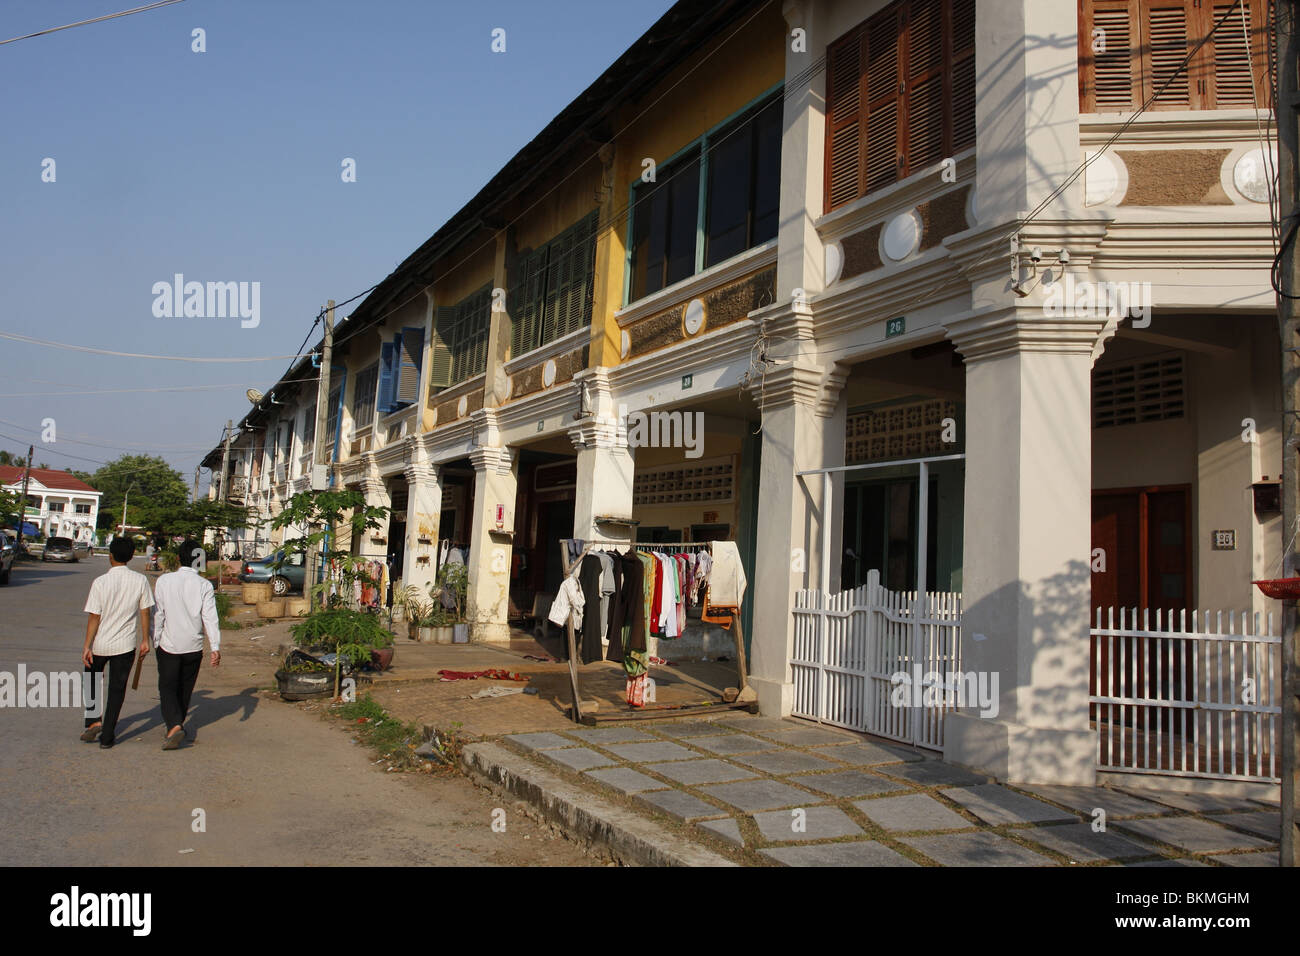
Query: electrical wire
(27, 339)
(82, 23)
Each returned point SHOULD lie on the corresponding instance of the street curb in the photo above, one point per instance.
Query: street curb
(627, 836)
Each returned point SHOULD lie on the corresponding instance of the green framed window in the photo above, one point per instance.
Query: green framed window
(552, 294)
(711, 201)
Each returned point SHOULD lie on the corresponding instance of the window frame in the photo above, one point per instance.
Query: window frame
(365, 397)
(701, 145)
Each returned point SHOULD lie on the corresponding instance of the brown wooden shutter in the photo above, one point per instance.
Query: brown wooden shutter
(1109, 77)
(1239, 57)
(883, 83)
(925, 143)
(1169, 32)
(843, 130)
(961, 73)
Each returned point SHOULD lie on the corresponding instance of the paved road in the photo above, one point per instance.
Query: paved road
(277, 785)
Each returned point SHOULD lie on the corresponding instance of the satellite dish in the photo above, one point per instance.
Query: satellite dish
(254, 395)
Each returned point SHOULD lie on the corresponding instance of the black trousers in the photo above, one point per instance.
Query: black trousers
(176, 676)
(115, 668)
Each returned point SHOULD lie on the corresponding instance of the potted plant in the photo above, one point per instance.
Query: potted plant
(356, 637)
(414, 610)
(453, 585)
(302, 677)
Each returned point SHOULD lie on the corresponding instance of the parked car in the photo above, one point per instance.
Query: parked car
(82, 549)
(285, 579)
(7, 555)
(60, 549)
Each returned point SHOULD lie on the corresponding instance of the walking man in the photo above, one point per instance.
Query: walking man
(187, 608)
(118, 598)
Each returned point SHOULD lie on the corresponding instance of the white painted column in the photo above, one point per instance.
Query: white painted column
(495, 484)
(605, 464)
(1027, 542)
(423, 515)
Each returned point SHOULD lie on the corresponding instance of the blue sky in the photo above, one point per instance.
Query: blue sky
(225, 166)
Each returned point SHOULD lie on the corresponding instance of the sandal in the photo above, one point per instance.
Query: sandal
(91, 733)
(173, 741)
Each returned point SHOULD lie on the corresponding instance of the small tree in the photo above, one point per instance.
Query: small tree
(316, 515)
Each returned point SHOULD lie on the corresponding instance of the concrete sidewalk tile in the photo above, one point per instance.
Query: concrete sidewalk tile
(784, 761)
(681, 805)
(911, 811)
(811, 737)
(995, 805)
(1192, 834)
(757, 725)
(626, 780)
(761, 794)
(540, 741)
(1265, 823)
(848, 783)
(814, 823)
(691, 728)
(600, 736)
(867, 754)
(861, 853)
(976, 849)
(578, 758)
(700, 771)
(732, 744)
(727, 828)
(1079, 842)
(1169, 862)
(1268, 858)
(1198, 802)
(1117, 804)
(933, 773)
(643, 753)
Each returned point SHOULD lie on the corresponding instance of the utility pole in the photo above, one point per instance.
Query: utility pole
(320, 439)
(195, 497)
(22, 503)
(223, 487)
(1288, 149)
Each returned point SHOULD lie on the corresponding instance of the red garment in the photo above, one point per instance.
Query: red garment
(492, 673)
(657, 606)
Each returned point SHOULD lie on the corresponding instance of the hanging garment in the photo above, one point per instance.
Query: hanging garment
(648, 586)
(606, 591)
(667, 596)
(444, 547)
(656, 595)
(614, 626)
(456, 556)
(568, 600)
(573, 548)
(727, 580)
(703, 564)
(636, 687)
(589, 577)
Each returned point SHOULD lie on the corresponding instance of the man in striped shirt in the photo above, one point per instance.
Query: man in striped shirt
(117, 600)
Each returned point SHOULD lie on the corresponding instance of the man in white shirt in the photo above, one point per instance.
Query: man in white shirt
(187, 608)
(117, 600)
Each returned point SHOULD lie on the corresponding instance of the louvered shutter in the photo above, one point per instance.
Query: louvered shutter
(1240, 55)
(925, 86)
(440, 355)
(477, 325)
(843, 130)
(411, 356)
(883, 83)
(558, 269)
(1169, 34)
(526, 303)
(1110, 64)
(961, 56)
(387, 361)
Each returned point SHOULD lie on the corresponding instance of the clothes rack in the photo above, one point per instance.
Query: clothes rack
(653, 711)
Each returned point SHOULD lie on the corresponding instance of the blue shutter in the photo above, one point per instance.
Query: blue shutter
(387, 352)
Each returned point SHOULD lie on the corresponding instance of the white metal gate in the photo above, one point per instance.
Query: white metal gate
(849, 646)
(1194, 696)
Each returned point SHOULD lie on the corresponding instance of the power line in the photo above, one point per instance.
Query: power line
(82, 23)
(166, 358)
(145, 389)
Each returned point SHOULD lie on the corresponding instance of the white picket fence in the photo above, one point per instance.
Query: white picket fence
(848, 647)
(1192, 695)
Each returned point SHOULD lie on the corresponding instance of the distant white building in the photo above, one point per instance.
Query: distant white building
(59, 504)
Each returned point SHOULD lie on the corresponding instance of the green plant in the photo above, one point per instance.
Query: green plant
(169, 561)
(316, 514)
(335, 628)
(224, 604)
(453, 579)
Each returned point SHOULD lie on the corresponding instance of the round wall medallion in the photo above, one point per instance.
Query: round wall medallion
(625, 344)
(548, 373)
(1250, 174)
(461, 406)
(693, 320)
(901, 236)
(834, 262)
(1100, 179)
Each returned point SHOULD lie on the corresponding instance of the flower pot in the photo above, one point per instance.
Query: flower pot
(381, 657)
(427, 635)
(444, 635)
(270, 610)
(460, 633)
(256, 593)
(305, 686)
(295, 607)
(398, 614)
(412, 631)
